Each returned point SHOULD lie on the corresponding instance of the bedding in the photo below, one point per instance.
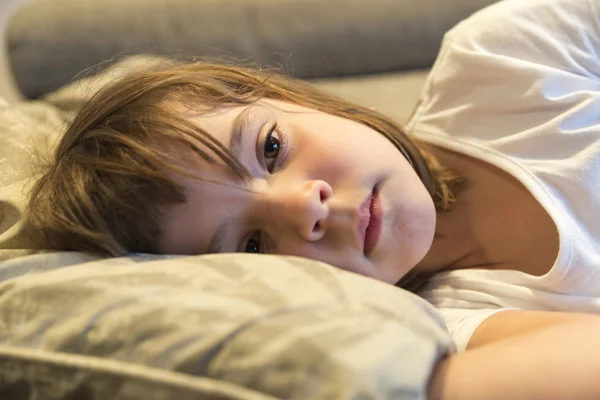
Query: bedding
(28, 132)
(23, 127)
(277, 326)
(233, 326)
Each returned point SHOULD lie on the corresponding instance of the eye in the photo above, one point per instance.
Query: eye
(272, 147)
(253, 244)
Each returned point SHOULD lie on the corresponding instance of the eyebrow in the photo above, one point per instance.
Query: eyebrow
(238, 127)
(217, 243)
(236, 146)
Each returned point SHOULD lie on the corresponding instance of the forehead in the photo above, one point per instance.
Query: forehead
(218, 122)
(220, 119)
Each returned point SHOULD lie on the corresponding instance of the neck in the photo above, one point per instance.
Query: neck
(495, 223)
(454, 245)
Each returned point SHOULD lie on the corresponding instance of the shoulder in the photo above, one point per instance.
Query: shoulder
(462, 323)
(511, 26)
(501, 71)
(511, 323)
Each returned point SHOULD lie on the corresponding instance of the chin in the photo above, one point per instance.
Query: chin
(392, 270)
(419, 236)
(410, 254)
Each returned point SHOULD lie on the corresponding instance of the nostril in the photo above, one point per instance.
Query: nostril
(317, 227)
(323, 194)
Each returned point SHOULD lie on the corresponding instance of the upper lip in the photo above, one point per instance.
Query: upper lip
(364, 218)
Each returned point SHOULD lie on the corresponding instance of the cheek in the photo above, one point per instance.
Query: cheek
(321, 158)
(337, 150)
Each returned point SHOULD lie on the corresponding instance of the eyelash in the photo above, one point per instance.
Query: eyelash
(258, 246)
(283, 143)
(278, 159)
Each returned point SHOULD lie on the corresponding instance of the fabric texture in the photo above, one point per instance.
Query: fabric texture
(52, 41)
(8, 86)
(222, 326)
(29, 131)
(393, 94)
(26, 130)
(517, 86)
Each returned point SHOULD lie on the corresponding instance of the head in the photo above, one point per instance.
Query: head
(200, 158)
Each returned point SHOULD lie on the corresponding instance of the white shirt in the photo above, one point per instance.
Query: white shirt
(517, 85)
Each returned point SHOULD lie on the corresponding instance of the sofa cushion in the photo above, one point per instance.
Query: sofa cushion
(29, 130)
(285, 327)
(51, 41)
(394, 94)
(26, 129)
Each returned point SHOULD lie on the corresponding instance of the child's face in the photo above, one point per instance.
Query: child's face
(311, 193)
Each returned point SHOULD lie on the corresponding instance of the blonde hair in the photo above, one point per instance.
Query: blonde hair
(106, 184)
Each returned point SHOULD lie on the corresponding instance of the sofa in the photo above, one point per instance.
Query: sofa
(376, 53)
(76, 326)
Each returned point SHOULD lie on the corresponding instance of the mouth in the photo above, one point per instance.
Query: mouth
(370, 221)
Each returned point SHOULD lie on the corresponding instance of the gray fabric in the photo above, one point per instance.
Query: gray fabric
(51, 41)
(393, 94)
(8, 87)
(28, 133)
(42, 375)
(25, 130)
(285, 327)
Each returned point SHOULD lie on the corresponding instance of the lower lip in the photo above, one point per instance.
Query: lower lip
(374, 228)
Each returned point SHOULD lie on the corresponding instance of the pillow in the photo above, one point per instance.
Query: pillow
(23, 127)
(216, 326)
(29, 130)
(8, 86)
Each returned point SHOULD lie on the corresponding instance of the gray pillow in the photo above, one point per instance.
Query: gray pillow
(52, 41)
(29, 131)
(222, 326)
(26, 130)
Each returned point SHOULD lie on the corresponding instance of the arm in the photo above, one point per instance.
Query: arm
(511, 323)
(522, 355)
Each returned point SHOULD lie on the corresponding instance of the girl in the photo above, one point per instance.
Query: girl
(491, 198)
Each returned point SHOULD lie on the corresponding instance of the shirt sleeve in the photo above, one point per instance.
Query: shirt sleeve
(516, 58)
(461, 323)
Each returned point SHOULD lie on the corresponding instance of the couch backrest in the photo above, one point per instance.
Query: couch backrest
(51, 41)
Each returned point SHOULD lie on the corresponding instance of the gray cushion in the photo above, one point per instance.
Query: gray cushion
(8, 89)
(394, 94)
(51, 41)
(238, 324)
(29, 130)
(26, 129)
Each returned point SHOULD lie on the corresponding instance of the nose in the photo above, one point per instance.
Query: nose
(304, 209)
